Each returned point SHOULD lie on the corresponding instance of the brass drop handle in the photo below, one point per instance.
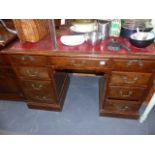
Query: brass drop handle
(126, 80)
(126, 95)
(36, 86)
(32, 73)
(27, 57)
(141, 63)
(123, 108)
(41, 98)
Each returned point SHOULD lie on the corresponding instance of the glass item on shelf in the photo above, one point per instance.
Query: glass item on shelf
(94, 37)
(104, 27)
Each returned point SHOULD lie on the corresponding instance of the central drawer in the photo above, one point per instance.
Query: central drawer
(125, 93)
(132, 78)
(80, 62)
(33, 72)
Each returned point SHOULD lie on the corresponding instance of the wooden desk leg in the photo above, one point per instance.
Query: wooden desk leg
(148, 109)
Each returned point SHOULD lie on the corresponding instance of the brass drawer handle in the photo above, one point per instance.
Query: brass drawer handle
(43, 98)
(36, 86)
(32, 73)
(126, 95)
(141, 63)
(123, 108)
(126, 80)
(27, 57)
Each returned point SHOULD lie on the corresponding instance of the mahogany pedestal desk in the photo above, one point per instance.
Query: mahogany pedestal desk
(38, 74)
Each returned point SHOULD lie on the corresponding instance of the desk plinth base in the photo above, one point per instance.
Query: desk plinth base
(44, 106)
(119, 115)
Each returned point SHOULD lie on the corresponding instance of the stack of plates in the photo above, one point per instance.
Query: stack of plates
(83, 26)
(134, 23)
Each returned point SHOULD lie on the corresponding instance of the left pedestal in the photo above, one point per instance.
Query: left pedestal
(43, 87)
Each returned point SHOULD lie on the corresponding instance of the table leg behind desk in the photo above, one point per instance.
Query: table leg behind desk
(148, 109)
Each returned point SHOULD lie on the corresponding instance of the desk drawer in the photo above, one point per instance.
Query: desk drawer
(38, 91)
(80, 62)
(40, 97)
(28, 60)
(132, 78)
(43, 87)
(133, 65)
(125, 93)
(33, 72)
(122, 106)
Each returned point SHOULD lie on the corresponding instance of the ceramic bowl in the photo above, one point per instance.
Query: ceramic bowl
(142, 39)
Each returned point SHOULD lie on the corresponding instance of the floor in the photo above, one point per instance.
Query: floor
(80, 116)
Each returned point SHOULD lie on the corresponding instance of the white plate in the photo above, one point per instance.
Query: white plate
(72, 40)
(82, 29)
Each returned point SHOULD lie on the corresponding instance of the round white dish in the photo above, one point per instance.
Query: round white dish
(72, 40)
